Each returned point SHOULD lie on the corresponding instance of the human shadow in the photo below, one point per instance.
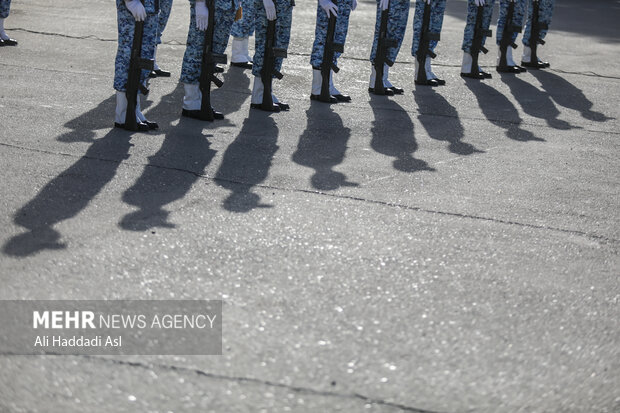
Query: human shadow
(441, 121)
(500, 111)
(535, 102)
(67, 194)
(84, 126)
(565, 94)
(392, 135)
(322, 146)
(231, 97)
(246, 162)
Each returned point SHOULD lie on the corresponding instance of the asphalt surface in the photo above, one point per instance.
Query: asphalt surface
(449, 250)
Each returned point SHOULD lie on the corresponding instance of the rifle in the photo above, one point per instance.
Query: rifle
(535, 39)
(479, 34)
(423, 48)
(509, 30)
(269, 64)
(208, 68)
(383, 45)
(328, 59)
(133, 86)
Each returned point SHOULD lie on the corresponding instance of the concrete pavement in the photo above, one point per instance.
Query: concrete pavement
(448, 250)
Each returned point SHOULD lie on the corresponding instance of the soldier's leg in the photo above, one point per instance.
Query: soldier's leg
(437, 13)
(468, 37)
(260, 38)
(224, 17)
(318, 48)
(126, 27)
(397, 25)
(284, 10)
(165, 6)
(5, 40)
(545, 12)
(340, 36)
(241, 31)
(190, 70)
(502, 22)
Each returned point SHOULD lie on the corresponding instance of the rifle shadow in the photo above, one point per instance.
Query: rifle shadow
(231, 97)
(84, 126)
(393, 135)
(535, 102)
(500, 111)
(441, 121)
(322, 146)
(171, 172)
(568, 95)
(246, 162)
(67, 194)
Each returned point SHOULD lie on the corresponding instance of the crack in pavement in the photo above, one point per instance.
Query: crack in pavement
(588, 73)
(240, 379)
(332, 195)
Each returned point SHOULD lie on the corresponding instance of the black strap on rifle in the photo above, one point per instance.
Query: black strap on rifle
(479, 34)
(537, 26)
(133, 86)
(509, 29)
(424, 46)
(269, 64)
(383, 46)
(207, 69)
(328, 59)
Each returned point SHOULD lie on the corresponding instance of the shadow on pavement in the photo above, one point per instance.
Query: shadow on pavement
(171, 172)
(83, 127)
(535, 102)
(247, 160)
(322, 146)
(568, 95)
(441, 120)
(500, 111)
(68, 194)
(392, 135)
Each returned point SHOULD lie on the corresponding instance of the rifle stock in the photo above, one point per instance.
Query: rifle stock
(328, 59)
(384, 43)
(136, 64)
(269, 64)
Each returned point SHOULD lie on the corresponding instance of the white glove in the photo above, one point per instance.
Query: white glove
(480, 2)
(354, 5)
(136, 8)
(329, 7)
(384, 4)
(428, 1)
(202, 15)
(270, 9)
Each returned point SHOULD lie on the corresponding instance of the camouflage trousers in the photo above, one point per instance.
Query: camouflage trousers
(397, 24)
(472, 11)
(192, 60)
(164, 13)
(517, 18)
(126, 25)
(438, 7)
(5, 6)
(284, 11)
(545, 11)
(245, 26)
(320, 34)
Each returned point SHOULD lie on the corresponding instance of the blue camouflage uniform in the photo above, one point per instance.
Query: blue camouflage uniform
(164, 13)
(244, 27)
(192, 60)
(472, 11)
(284, 11)
(545, 11)
(5, 6)
(517, 18)
(320, 34)
(438, 7)
(126, 25)
(397, 24)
